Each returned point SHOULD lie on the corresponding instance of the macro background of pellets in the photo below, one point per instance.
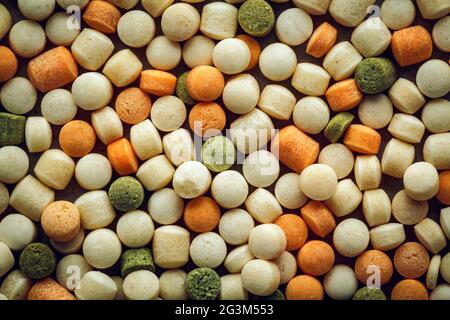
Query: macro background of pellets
(244, 92)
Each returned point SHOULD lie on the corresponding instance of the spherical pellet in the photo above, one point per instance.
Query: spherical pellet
(96, 285)
(218, 153)
(421, 181)
(18, 95)
(267, 241)
(77, 138)
(433, 78)
(229, 188)
(191, 179)
(102, 248)
(58, 106)
(92, 91)
(165, 206)
(141, 285)
(17, 231)
(311, 115)
(168, 113)
(430, 235)
(58, 30)
(346, 198)
(441, 292)
(436, 151)
(261, 168)
(6, 21)
(436, 116)
(318, 182)
(7, 259)
(288, 191)
(172, 285)
(376, 111)
(4, 198)
(126, 193)
(231, 56)
(375, 75)
(135, 229)
(136, 28)
(444, 220)
(254, 283)
(38, 134)
(67, 267)
(411, 260)
(338, 157)
(277, 62)
(287, 265)
(387, 236)
(36, 11)
(93, 171)
(27, 38)
(208, 250)
(351, 237)
(180, 22)
(219, 20)
(340, 283)
(407, 210)
(37, 261)
(241, 94)
(409, 289)
(263, 206)
(371, 262)
(235, 226)
(237, 258)
(294, 26)
(372, 37)
(14, 164)
(445, 268)
(201, 214)
(163, 54)
(398, 14)
(198, 51)
(441, 35)
(316, 258)
(304, 287)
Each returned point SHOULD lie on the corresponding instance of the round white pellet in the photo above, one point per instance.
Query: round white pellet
(294, 26)
(141, 285)
(163, 54)
(136, 28)
(59, 31)
(277, 62)
(235, 226)
(27, 38)
(241, 93)
(436, 116)
(260, 277)
(351, 237)
(433, 78)
(231, 56)
(102, 248)
(288, 191)
(398, 14)
(93, 171)
(340, 283)
(58, 106)
(17, 231)
(18, 95)
(267, 241)
(421, 181)
(198, 51)
(172, 285)
(92, 91)
(135, 229)
(191, 179)
(311, 115)
(14, 164)
(441, 34)
(318, 182)
(180, 22)
(165, 206)
(376, 111)
(229, 189)
(261, 168)
(338, 157)
(168, 113)
(208, 250)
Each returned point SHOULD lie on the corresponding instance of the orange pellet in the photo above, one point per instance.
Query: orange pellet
(322, 40)
(158, 83)
(362, 139)
(443, 194)
(295, 149)
(205, 83)
(52, 69)
(409, 289)
(207, 119)
(102, 16)
(49, 289)
(122, 158)
(77, 138)
(294, 229)
(318, 218)
(369, 263)
(255, 49)
(411, 45)
(411, 260)
(315, 258)
(8, 64)
(61, 221)
(344, 95)
(133, 105)
(304, 287)
(201, 214)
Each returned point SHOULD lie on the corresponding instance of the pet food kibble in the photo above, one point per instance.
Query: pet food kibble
(145, 140)
(349, 13)
(231, 56)
(126, 194)
(406, 127)
(178, 147)
(375, 111)
(341, 61)
(191, 179)
(433, 10)
(369, 293)
(373, 261)
(387, 236)
(49, 289)
(398, 14)
(96, 285)
(263, 206)
(37, 261)
(91, 49)
(163, 54)
(102, 248)
(61, 221)
(371, 38)
(141, 285)
(411, 45)
(102, 16)
(397, 157)
(7, 259)
(322, 40)
(172, 285)
(156, 7)
(237, 258)
(27, 38)
(218, 153)
(66, 267)
(346, 198)
(58, 107)
(219, 20)
(202, 284)
(158, 83)
(375, 75)
(376, 207)
(351, 237)
(407, 210)
(205, 83)
(207, 119)
(254, 283)
(92, 91)
(6, 21)
(16, 286)
(77, 138)
(168, 113)
(55, 169)
(123, 68)
(18, 95)
(17, 231)
(337, 126)
(4, 198)
(295, 149)
(235, 226)
(276, 100)
(30, 197)
(208, 250)
(405, 96)
(136, 259)
(310, 79)
(344, 95)
(445, 221)
(180, 22)
(287, 265)
(241, 94)
(267, 241)
(36, 11)
(181, 89)
(135, 229)
(433, 78)
(14, 164)
(294, 229)
(261, 168)
(255, 49)
(338, 157)
(277, 61)
(315, 258)
(71, 246)
(441, 36)
(230, 189)
(443, 194)
(433, 271)
(38, 134)
(367, 172)
(436, 116)
(441, 292)
(198, 51)
(231, 288)
(318, 218)
(340, 283)
(107, 125)
(93, 171)
(136, 28)
(411, 260)
(409, 289)
(8, 64)
(201, 214)
(59, 32)
(421, 181)
(304, 287)
(445, 268)
(436, 151)
(122, 158)
(96, 210)
(430, 235)
(133, 105)
(288, 191)
(318, 182)
(294, 26)
(256, 18)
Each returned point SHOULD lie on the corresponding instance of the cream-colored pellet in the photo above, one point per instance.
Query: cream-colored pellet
(254, 283)
(123, 68)
(93, 171)
(219, 20)
(168, 113)
(351, 237)
(6, 259)
(171, 247)
(136, 28)
(340, 283)
(172, 285)
(405, 96)
(198, 51)
(433, 9)
(92, 91)
(338, 157)
(406, 127)
(288, 191)
(367, 172)
(441, 35)
(349, 13)
(96, 285)
(444, 220)
(287, 265)
(155, 173)
(36, 10)
(398, 14)
(421, 181)
(229, 188)
(16, 286)
(59, 31)
(277, 101)
(371, 38)
(180, 22)
(191, 179)
(70, 270)
(208, 250)
(310, 79)
(38, 134)
(4, 198)
(135, 229)
(71, 246)
(141, 285)
(441, 292)
(387, 236)
(14, 164)
(30, 197)
(445, 267)
(27, 38)
(237, 258)
(102, 248)
(261, 168)
(231, 288)
(263, 206)
(178, 146)
(341, 61)
(107, 125)
(436, 150)
(318, 182)
(313, 7)
(6, 21)
(267, 241)
(241, 94)
(96, 210)
(433, 272)
(397, 156)
(235, 226)
(376, 111)
(58, 106)
(156, 7)
(436, 116)
(407, 210)
(18, 95)
(17, 231)
(433, 78)
(376, 207)
(231, 56)
(91, 49)
(55, 169)
(145, 140)
(346, 198)
(163, 54)
(294, 26)
(277, 62)
(430, 235)
(165, 206)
